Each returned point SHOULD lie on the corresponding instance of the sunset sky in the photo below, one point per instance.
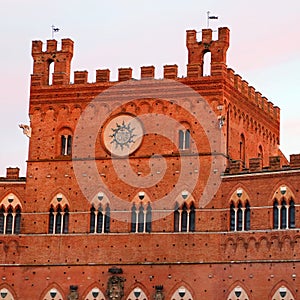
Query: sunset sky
(264, 50)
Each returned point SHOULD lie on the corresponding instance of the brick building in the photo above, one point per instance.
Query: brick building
(171, 188)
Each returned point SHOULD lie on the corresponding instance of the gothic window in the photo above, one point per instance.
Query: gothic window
(95, 294)
(58, 220)
(141, 213)
(238, 293)
(232, 217)
(141, 218)
(243, 150)
(10, 215)
(66, 145)
(239, 211)
(6, 294)
(184, 217)
(182, 293)
(99, 219)
(148, 218)
(52, 294)
(137, 294)
(284, 214)
(184, 139)
(206, 69)
(283, 293)
(59, 215)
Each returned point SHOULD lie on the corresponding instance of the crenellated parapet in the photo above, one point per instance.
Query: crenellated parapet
(276, 163)
(196, 51)
(43, 59)
(253, 96)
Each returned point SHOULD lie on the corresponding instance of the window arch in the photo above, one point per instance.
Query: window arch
(184, 213)
(95, 294)
(238, 293)
(284, 209)
(10, 215)
(182, 293)
(65, 136)
(53, 294)
(184, 139)
(243, 149)
(100, 214)
(239, 211)
(206, 67)
(59, 215)
(137, 294)
(184, 217)
(6, 294)
(283, 293)
(141, 213)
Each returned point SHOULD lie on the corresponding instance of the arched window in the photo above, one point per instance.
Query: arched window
(94, 294)
(99, 221)
(182, 293)
(261, 153)
(247, 216)
(137, 294)
(184, 217)
(50, 71)
(6, 294)
(92, 219)
(240, 216)
(192, 218)
(53, 294)
(148, 218)
(283, 215)
(243, 150)
(133, 218)
(184, 139)
(292, 223)
(51, 220)
(206, 69)
(17, 225)
(275, 215)
(141, 220)
(66, 144)
(107, 219)
(238, 293)
(283, 293)
(232, 217)
(58, 220)
(10, 215)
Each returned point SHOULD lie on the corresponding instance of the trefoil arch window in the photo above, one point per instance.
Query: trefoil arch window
(284, 214)
(10, 215)
(239, 216)
(184, 217)
(100, 219)
(58, 219)
(141, 217)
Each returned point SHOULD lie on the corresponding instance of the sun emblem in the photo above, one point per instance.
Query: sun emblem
(122, 135)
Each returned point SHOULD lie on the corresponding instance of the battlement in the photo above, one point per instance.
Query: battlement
(276, 163)
(196, 50)
(43, 59)
(252, 95)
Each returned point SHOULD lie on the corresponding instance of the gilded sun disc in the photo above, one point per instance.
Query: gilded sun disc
(123, 135)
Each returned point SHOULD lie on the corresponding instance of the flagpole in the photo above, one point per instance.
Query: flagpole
(208, 19)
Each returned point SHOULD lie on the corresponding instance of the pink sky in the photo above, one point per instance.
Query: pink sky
(264, 50)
